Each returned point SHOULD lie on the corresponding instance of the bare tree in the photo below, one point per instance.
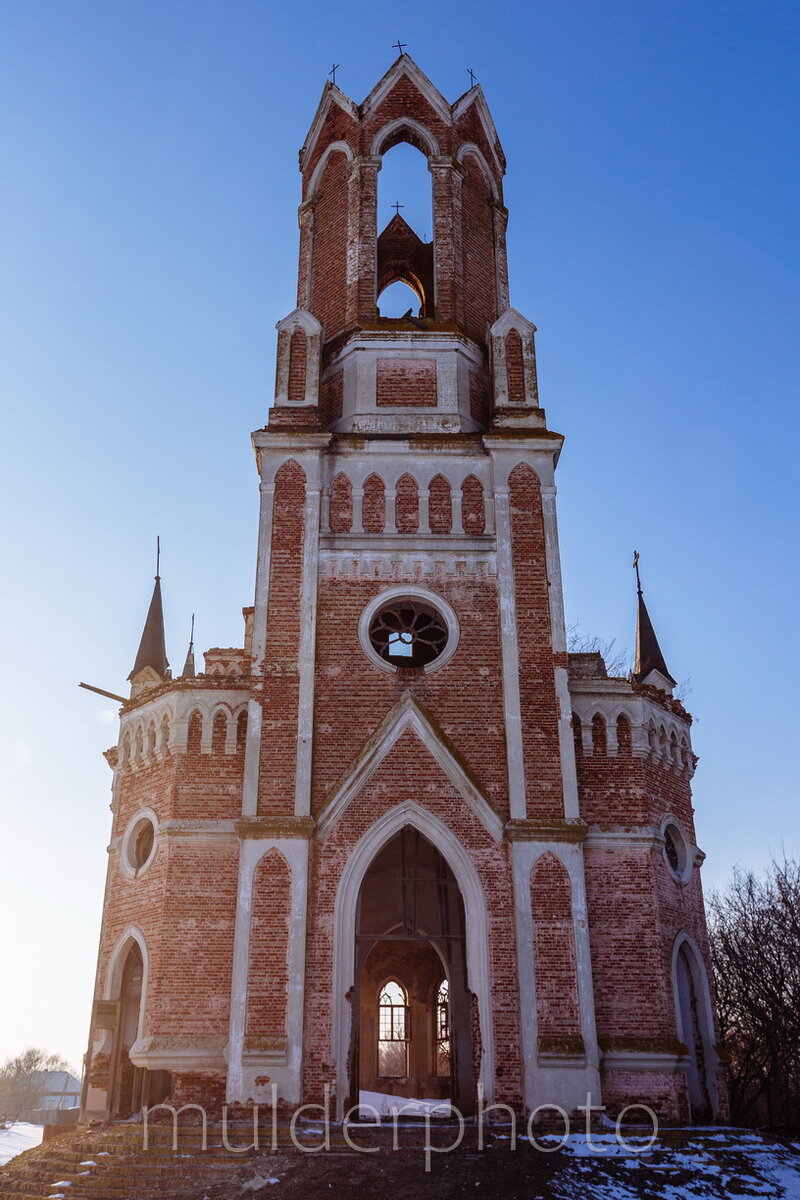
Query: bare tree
(617, 662)
(755, 948)
(23, 1081)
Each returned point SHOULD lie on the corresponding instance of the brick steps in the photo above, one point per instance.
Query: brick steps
(111, 1164)
(122, 1170)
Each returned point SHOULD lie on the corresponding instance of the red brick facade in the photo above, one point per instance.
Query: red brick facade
(402, 704)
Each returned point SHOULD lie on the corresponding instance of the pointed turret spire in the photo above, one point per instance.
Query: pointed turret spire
(648, 652)
(152, 650)
(188, 671)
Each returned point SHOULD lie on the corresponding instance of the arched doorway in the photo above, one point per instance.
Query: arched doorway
(412, 1011)
(693, 1017)
(127, 1079)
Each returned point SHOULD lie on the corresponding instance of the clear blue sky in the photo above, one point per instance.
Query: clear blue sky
(148, 217)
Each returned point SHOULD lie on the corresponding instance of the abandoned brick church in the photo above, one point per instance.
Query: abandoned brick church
(401, 842)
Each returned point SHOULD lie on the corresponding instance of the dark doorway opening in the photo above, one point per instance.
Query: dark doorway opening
(132, 1087)
(412, 1014)
(692, 1029)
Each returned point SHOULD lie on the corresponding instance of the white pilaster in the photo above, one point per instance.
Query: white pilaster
(509, 654)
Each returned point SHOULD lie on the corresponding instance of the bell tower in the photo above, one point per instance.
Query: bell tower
(410, 660)
(465, 361)
(401, 844)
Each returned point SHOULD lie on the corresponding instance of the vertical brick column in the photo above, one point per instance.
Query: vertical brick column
(446, 236)
(362, 233)
(538, 701)
(305, 218)
(499, 224)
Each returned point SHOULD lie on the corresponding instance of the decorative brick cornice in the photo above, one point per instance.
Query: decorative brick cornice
(275, 827)
(640, 1045)
(656, 696)
(565, 1046)
(571, 829)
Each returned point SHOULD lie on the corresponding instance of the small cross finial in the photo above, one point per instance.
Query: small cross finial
(158, 557)
(191, 636)
(332, 73)
(397, 207)
(471, 77)
(636, 569)
(399, 46)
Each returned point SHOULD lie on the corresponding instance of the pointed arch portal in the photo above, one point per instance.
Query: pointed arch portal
(410, 942)
(475, 1048)
(695, 1025)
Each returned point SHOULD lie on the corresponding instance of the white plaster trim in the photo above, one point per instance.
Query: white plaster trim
(308, 641)
(300, 318)
(331, 94)
(477, 940)
(510, 319)
(333, 148)
(404, 65)
(409, 592)
(116, 965)
(179, 1053)
(252, 759)
(548, 1080)
(126, 843)
(670, 822)
(476, 96)
(623, 837)
(198, 828)
(376, 149)
(635, 1060)
(241, 1082)
(510, 658)
(406, 714)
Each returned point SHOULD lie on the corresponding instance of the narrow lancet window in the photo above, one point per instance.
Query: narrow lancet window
(393, 1031)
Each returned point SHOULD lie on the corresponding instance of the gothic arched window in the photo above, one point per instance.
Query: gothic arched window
(393, 1031)
(441, 1039)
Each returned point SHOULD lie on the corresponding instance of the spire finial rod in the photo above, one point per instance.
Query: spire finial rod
(636, 569)
(191, 636)
(158, 557)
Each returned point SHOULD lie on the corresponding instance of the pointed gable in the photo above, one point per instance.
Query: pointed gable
(408, 719)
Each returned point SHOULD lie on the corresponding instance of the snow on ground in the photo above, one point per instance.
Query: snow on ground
(712, 1166)
(384, 1102)
(17, 1138)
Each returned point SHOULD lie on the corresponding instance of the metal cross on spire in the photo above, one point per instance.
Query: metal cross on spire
(636, 569)
(158, 557)
(397, 207)
(472, 77)
(332, 73)
(399, 46)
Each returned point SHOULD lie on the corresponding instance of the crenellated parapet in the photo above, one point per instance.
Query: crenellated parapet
(614, 717)
(156, 728)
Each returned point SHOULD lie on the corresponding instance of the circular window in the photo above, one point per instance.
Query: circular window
(676, 851)
(139, 844)
(408, 633)
(408, 630)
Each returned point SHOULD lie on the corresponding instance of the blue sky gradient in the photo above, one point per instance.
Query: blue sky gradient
(149, 240)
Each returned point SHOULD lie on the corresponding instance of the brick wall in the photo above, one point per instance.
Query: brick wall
(410, 382)
(268, 976)
(537, 683)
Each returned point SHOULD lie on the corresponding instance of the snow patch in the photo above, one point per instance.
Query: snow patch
(18, 1138)
(384, 1102)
